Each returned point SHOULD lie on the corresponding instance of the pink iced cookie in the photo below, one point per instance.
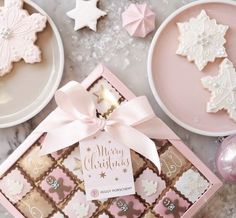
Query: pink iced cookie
(126, 207)
(17, 35)
(149, 186)
(15, 186)
(138, 20)
(57, 185)
(171, 205)
(78, 206)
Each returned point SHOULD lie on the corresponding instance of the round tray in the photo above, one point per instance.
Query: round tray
(26, 90)
(175, 82)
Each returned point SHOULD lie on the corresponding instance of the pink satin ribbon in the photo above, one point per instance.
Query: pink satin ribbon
(132, 124)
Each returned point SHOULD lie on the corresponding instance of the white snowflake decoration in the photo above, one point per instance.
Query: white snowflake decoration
(17, 35)
(14, 187)
(192, 185)
(223, 89)
(150, 187)
(202, 40)
(81, 210)
(86, 14)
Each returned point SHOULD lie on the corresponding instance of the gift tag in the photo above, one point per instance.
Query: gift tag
(107, 167)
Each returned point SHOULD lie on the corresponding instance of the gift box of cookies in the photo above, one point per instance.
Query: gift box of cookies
(99, 176)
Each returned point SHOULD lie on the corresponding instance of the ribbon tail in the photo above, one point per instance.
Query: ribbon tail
(66, 136)
(155, 128)
(136, 141)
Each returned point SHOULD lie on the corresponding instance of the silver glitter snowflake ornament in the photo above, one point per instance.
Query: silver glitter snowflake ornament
(223, 89)
(202, 40)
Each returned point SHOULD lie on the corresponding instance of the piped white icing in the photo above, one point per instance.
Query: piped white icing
(202, 40)
(86, 14)
(192, 185)
(223, 89)
(150, 187)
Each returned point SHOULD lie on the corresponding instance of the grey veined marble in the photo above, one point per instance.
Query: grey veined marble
(126, 57)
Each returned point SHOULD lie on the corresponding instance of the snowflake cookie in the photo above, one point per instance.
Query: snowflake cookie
(17, 35)
(192, 185)
(149, 186)
(86, 14)
(223, 89)
(202, 40)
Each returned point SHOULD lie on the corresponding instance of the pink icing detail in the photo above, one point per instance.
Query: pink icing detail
(10, 179)
(114, 209)
(160, 209)
(57, 174)
(149, 175)
(138, 20)
(78, 198)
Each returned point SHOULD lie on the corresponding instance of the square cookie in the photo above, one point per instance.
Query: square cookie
(14, 185)
(137, 162)
(172, 162)
(192, 185)
(57, 185)
(126, 207)
(73, 163)
(106, 97)
(34, 164)
(78, 206)
(149, 186)
(171, 205)
(35, 205)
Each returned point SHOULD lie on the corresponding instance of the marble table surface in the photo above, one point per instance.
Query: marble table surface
(126, 57)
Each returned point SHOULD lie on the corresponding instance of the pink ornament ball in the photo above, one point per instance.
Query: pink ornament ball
(226, 159)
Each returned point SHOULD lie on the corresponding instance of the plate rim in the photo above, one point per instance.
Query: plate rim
(59, 74)
(150, 74)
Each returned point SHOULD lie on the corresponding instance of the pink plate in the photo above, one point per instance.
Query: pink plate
(175, 82)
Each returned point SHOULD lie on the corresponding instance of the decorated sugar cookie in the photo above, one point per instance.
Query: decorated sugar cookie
(86, 14)
(192, 185)
(17, 35)
(202, 40)
(223, 89)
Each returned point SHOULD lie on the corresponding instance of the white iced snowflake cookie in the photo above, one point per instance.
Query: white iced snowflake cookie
(17, 35)
(86, 14)
(223, 89)
(202, 40)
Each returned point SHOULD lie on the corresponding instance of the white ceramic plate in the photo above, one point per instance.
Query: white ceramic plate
(175, 82)
(26, 90)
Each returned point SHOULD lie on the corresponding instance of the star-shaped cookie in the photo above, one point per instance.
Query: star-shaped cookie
(86, 14)
(202, 40)
(223, 89)
(17, 35)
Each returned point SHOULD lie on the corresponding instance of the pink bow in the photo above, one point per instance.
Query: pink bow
(132, 124)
